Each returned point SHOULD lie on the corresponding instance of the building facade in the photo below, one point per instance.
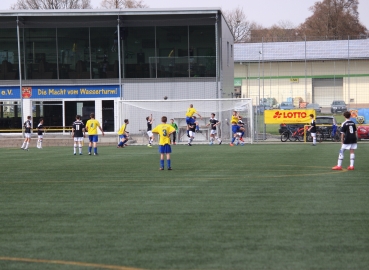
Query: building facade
(304, 72)
(59, 63)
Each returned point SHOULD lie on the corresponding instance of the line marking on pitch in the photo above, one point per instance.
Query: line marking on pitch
(81, 264)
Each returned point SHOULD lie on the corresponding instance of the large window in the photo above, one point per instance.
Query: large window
(8, 54)
(139, 50)
(202, 51)
(40, 53)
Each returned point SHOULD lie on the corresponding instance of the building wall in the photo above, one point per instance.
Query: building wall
(282, 80)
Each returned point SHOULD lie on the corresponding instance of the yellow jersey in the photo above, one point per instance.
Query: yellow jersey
(122, 129)
(164, 131)
(234, 120)
(190, 112)
(92, 126)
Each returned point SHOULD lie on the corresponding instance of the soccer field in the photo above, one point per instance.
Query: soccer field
(277, 206)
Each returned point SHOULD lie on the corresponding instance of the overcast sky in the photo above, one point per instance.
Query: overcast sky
(264, 12)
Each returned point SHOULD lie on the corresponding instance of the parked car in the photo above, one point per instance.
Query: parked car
(362, 132)
(314, 106)
(286, 106)
(261, 108)
(319, 120)
(338, 106)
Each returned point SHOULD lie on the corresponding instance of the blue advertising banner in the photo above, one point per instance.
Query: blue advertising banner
(37, 92)
(9, 92)
(106, 91)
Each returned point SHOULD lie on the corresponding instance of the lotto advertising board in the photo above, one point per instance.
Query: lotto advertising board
(288, 116)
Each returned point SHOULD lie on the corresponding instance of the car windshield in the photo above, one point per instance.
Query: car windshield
(322, 121)
(339, 103)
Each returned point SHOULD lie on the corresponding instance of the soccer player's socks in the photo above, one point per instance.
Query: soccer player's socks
(95, 150)
(233, 139)
(352, 159)
(162, 163)
(89, 149)
(168, 163)
(27, 145)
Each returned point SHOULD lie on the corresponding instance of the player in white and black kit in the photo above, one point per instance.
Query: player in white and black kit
(213, 122)
(312, 129)
(27, 133)
(40, 133)
(149, 128)
(78, 133)
(349, 142)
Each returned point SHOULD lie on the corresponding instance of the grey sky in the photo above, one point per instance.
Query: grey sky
(264, 12)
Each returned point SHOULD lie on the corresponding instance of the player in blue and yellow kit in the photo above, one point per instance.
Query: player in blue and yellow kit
(189, 120)
(164, 130)
(91, 127)
(123, 134)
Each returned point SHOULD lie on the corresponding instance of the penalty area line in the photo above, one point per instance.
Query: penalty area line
(81, 264)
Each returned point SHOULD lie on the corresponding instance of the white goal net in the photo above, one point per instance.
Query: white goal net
(136, 112)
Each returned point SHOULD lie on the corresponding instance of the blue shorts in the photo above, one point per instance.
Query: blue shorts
(93, 138)
(123, 136)
(235, 128)
(165, 149)
(190, 120)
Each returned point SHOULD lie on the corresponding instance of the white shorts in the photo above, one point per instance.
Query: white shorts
(239, 134)
(313, 134)
(27, 135)
(78, 139)
(149, 133)
(40, 136)
(349, 146)
(192, 133)
(213, 131)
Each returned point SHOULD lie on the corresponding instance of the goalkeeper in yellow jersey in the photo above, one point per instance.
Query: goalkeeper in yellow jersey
(164, 130)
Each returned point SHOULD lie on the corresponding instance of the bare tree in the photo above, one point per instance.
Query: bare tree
(113, 4)
(52, 4)
(239, 25)
(333, 18)
(283, 31)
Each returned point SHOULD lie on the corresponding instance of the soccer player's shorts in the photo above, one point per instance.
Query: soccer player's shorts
(349, 146)
(40, 136)
(235, 129)
(213, 131)
(190, 120)
(78, 139)
(239, 134)
(122, 137)
(149, 133)
(27, 135)
(313, 135)
(165, 149)
(192, 133)
(93, 138)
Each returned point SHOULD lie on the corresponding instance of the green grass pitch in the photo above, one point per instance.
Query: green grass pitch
(277, 206)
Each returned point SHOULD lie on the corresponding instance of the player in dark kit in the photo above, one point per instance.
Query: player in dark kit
(27, 133)
(78, 133)
(348, 140)
(312, 129)
(213, 122)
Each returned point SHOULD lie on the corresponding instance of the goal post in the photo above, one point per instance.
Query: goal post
(136, 112)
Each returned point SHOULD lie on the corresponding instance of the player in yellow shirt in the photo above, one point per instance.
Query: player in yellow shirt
(123, 134)
(164, 130)
(189, 120)
(91, 127)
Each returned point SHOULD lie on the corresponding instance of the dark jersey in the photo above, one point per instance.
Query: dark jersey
(78, 127)
(313, 126)
(40, 129)
(28, 126)
(240, 123)
(213, 122)
(349, 129)
(149, 125)
(192, 127)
